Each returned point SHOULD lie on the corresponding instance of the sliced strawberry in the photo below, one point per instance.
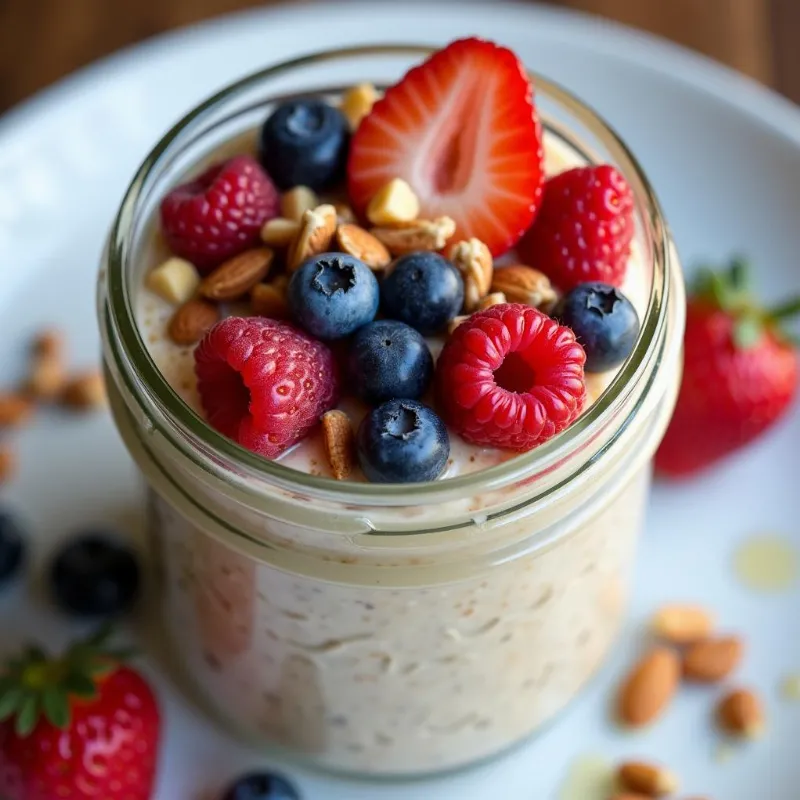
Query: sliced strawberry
(462, 130)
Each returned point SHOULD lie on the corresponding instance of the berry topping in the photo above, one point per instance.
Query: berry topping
(332, 294)
(220, 213)
(402, 441)
(604, 322)
(510, 377)
(12, 546)
(424, 290)
(462, 130)
(263, 383)
(261, 786)
(304, 143)
(387, 360)
(95, 575)
(584, 229)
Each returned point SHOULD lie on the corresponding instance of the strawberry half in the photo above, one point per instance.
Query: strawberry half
(463, 131)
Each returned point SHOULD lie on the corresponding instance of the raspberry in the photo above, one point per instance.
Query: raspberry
(584, 229)
(263, 383)
(511, 377)
(220, 213)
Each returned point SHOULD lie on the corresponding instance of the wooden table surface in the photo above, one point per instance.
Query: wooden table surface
(43, 40)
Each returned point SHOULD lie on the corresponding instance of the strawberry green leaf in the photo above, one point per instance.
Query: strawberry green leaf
(10, 701)
(739, 274)
(28, 715)
(56, 706)
(80, 685)
(785, 310)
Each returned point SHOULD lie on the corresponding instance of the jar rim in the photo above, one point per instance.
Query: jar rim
(117, 311)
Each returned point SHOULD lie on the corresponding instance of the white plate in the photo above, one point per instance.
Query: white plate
(724, 156)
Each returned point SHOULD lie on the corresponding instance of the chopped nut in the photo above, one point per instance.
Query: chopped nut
(46, 372)
(8, 464)
(297, 201)
(422, 234)
(393, 204)
(493, 299)
(176, 280)
(280, 232)
(15, 409)
(357, 103)
(682, 624)
(344, 214)
(316, 234)
(361, 244)
(473, 259)
(267, 300)
(649, 687)
(191, 321)
(649, 779)
(85, 391)
(740, 713)
(522, 284)
(455, 322)
(712, 660)
(339, 443)
(238, 275)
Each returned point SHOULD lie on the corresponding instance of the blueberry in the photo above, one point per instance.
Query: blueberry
(12, 546)
(304, 143)
(424, 290)
(389, 359)
(261, 786)
(604, 321)
(402, 441)
(95, 575)
(332, 295)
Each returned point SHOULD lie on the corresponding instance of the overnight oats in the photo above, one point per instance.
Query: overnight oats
(393, 362)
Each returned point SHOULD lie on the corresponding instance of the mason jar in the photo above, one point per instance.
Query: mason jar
(387, 629)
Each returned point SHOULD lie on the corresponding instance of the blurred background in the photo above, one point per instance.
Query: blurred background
(43, 40)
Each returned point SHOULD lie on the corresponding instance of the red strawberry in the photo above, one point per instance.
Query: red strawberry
(263, 383)
(98, 736)
(740, 374)
(584, 229)
(462, 130)
(220, 213)
(510, 376)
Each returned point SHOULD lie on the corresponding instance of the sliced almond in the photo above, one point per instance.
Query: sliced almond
(339, 443)
(361, 244)
(649, 779)
(46, 374)
(8, 464)
(315, 236)
(493, 299)
(473, 259)
(192, 320)
(712, 660)
(522, 284)
(176, 280)
(357, 103)
(740, 713)
(15, 409)
(267, 300)
(455, 322)
(422, 234)
(85, 391)
(649, 687)
(280, 232)
(682, 624)
(393, 204)
(238, 275)
(297, 201)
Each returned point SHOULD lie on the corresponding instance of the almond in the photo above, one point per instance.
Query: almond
(649, 687)
(649, 779)
(191, 321)
(316, 234)
(297, 201)
(8, 464)
(176, 280)
(46, 372)
(682, 624)
(493, 299)
(85, 391)
(473, 259)
(238, 275)
(522, 284)
(339, 443)
(267, 300)
(712, 660)
(49, 344)
(280, 232)
(344, 214)
(740, 713)
(422, 234)
(15, 409)
(361, 244)
(393, 204)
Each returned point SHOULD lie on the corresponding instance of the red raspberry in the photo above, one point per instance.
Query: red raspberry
(584, 229)
(263, 383)
(220, 213)
(511, 377)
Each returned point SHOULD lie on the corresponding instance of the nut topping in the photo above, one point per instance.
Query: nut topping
(339, 443)
(394, 204)
(473, 259)
(238, 275)
(361, 244)
(422, 234)
(522, 284)
(316, 234)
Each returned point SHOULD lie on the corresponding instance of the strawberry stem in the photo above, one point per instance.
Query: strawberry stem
(785, 310)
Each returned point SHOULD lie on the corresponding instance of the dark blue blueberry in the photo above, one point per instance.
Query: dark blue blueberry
(604, 321)
(424, 290)
(402, 441)
(304, 143)
(95, 575)
(332, 295)
(261, 786)
(12, 546)
(389, 359)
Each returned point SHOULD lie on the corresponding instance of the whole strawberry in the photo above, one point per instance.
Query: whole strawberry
(80, 726)
(740, 373)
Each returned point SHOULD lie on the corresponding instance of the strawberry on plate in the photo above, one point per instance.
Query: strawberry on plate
(80, 726)
(462, 130)
(740, 373)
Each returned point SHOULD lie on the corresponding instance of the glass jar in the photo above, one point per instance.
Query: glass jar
(374, 629)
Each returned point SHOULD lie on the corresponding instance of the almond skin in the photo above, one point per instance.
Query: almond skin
(361, 244)
(340, 444)
(649, 687)
(649, 779)
(191, 321)
(85, 391)
(15, 409)
(740, 713)
(712, 660)
(268, 300)
(682, 624)
(238, 275)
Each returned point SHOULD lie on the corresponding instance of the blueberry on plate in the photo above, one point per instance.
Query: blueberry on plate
(604, 321)
(389, 359)
(95, 575)
(12, 546)
(424, 290)
(332, 294)
(402, 441)
(261, 786)
(304, 143)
